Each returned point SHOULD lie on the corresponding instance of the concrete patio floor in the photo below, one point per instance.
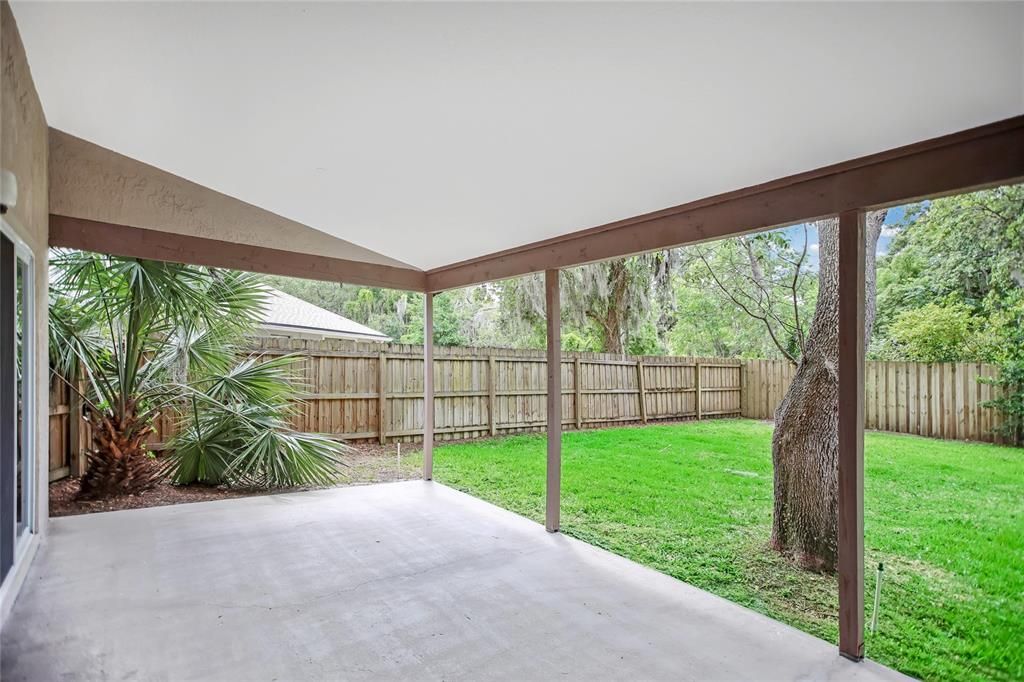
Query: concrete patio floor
(408, 580)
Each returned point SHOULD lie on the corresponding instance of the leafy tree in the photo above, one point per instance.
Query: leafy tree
(933, 333)
(447, 322)
(1011, 404)
(476, 310)
(612, 300)
(703, 326)
(964, 251)
(521, 316)
(146, 335)
(464, 317)
(1002, 341)
(952, 287)
(645, 341)
(328, 295)
(706, 321)
(575, 341)
(769, 280)
(617, 296)
(386, 310)
(383, 309)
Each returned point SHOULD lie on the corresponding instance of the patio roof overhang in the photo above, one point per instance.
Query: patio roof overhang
(506, 153)
(158, 215)
(981, 157)
(473, 143)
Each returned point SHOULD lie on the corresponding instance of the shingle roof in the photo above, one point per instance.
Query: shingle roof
(287, 311)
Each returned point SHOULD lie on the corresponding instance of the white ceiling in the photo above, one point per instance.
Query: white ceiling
(436, 133)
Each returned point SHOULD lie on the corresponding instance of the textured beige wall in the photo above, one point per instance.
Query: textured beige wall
(23, 151)
(95, 183)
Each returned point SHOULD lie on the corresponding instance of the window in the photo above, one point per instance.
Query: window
(23, 455)
(17, 362)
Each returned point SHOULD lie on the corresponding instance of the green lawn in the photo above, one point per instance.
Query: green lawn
(694, 501)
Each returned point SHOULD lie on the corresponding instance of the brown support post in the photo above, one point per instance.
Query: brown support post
(428, 386)
(554, 473)
(697, 392)
(382, 398)
(851, 434)
(578, 404)
(643, 392)
(492, 376)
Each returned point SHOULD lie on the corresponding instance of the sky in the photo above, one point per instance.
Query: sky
(796, 235)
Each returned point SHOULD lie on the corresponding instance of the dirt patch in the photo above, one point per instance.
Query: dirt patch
(366, 464)
(371, 463)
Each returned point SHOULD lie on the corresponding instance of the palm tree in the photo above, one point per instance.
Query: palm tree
(236, 431)
(149, 336)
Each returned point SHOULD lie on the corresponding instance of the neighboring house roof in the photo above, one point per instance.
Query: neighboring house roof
(286, 313)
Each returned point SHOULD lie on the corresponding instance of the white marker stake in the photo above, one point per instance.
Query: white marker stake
(878, 597)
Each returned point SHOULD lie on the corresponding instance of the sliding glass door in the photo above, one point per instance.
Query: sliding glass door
(17, 473)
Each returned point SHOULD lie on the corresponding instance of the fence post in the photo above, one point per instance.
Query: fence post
(696, 370)
(743, 389)
(643, 392)
(382, 398)
(76, 432)
(492, 376)
(578, 404)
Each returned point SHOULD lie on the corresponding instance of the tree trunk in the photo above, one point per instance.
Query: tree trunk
(119, 460)
(615, 313)
(806, 441)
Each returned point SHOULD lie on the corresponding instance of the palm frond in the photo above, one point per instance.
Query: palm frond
(150, 336)
(257, 380)
(250, 444)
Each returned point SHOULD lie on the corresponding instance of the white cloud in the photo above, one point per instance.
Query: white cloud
(890, 230)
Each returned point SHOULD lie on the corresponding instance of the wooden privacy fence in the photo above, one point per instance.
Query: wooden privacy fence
(366, 391)
(939, 400)
(60, 420)
(371, 392)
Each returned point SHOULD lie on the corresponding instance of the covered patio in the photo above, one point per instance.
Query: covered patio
(427, 179)
(406, 580)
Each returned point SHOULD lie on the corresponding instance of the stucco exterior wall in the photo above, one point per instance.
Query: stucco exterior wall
(24, 152)
(94, 183)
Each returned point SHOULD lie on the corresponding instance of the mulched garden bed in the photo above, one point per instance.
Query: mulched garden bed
(63, 500)
(367, 464)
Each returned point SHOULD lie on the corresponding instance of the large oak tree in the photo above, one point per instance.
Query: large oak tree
(805, 444)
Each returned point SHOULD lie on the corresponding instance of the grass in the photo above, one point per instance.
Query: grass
(694, 501)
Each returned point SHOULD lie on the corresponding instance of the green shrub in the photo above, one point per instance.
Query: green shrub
(237, 432)
(933, 333)
(1011, 380)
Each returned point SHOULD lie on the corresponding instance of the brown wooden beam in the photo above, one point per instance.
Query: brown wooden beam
(980, 157)
(851, 434)
(428, 387)
(554, 427)
(136, 242)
